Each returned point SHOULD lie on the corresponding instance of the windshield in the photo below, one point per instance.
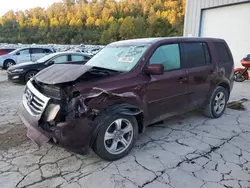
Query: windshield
(118, 58)
(45, 58)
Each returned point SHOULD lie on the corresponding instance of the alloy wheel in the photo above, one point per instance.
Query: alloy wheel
(219, 102)
(118, 136)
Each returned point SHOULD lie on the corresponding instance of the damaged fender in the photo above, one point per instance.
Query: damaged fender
(88, 117)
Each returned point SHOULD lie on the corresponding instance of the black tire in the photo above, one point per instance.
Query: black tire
(99, 144)
(238, 77)
(209, 110)
(28, 75)
(8, 63)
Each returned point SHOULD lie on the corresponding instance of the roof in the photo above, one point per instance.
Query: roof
(154, 40)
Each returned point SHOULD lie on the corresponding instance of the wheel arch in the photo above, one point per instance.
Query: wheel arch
(9, 59)
(124, 109)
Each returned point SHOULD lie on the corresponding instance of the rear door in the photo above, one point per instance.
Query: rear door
(37, 53)
(166, 94)
(197, 62)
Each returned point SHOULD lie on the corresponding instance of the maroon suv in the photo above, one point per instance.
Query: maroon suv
(128, 85)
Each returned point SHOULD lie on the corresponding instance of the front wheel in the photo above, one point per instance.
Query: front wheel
(29, 75)
(8, 63)
(217, 103)
(116, 137)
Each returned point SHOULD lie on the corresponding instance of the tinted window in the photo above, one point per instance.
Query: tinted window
(196, 54)
(47, 51)
(77, 58)
(222, 52)
(168, 55)
(37, 51)
(24, 52)
(61, 59)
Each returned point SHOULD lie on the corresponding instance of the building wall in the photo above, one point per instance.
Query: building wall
(193, 13)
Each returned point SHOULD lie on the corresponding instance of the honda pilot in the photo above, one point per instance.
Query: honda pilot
(106, 103)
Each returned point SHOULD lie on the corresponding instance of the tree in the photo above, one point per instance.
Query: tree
(94, 21)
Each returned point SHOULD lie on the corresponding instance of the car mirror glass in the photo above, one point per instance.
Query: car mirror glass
(18, 53)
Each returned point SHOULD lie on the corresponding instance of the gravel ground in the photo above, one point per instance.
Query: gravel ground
(188, 151)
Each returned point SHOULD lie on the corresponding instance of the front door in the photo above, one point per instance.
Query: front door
(166, 94)
(23, 55)
(197, 61)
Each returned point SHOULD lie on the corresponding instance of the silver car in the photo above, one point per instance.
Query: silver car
(23, 55)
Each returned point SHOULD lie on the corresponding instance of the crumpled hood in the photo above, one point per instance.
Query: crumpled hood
(61, 73)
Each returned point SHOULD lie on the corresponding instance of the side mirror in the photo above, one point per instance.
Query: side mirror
(50, 63)
(155, 69)
(18, 53)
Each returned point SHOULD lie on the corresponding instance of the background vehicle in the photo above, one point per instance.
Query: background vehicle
(4, 51)
(127, 86)
(25, 71)
(23, 55)
(241, 74)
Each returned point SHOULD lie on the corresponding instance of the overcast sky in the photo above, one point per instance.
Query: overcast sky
(7, 5)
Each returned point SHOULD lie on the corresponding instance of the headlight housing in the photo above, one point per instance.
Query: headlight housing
(51, 112)
(16, 70)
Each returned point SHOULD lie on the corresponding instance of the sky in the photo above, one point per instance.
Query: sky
(23, 4)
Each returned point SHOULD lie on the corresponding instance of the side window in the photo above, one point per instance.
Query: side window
(24, 52)
(196, 54)
(36, 51)
(168, 55)
(77, 58)
(222, 52)
(61, 59)
(47, 51)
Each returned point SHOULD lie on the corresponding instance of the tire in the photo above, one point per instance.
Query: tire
(103, 147)
(29, 75)
(238, 77)
(214, 102)
(8, 63)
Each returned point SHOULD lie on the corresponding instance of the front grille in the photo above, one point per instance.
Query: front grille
(48, 90)
(34, 101)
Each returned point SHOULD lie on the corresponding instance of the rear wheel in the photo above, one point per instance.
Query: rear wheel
(29, 75)
(116, 137)
(8, 63)
(240, 76)
(217, 103)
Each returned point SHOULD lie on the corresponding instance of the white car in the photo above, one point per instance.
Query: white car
(23, 55)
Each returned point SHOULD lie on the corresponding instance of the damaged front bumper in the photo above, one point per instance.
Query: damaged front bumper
(74, 134)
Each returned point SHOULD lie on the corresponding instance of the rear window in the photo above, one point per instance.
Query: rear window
(196, 54)
(222, 52)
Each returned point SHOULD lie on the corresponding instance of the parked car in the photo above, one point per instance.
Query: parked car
(4, 51)
(23, 55)
(127, 86)
(25, 71)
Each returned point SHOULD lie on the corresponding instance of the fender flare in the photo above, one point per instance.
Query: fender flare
(125, 109)
(242, 70)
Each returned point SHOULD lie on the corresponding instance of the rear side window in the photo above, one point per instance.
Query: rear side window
(77, 58)
(196, 54)
(222, 52)
(37, 51)
(47, 51)
(168, 55)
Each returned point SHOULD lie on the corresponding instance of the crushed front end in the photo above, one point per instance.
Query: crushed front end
(58, 113)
